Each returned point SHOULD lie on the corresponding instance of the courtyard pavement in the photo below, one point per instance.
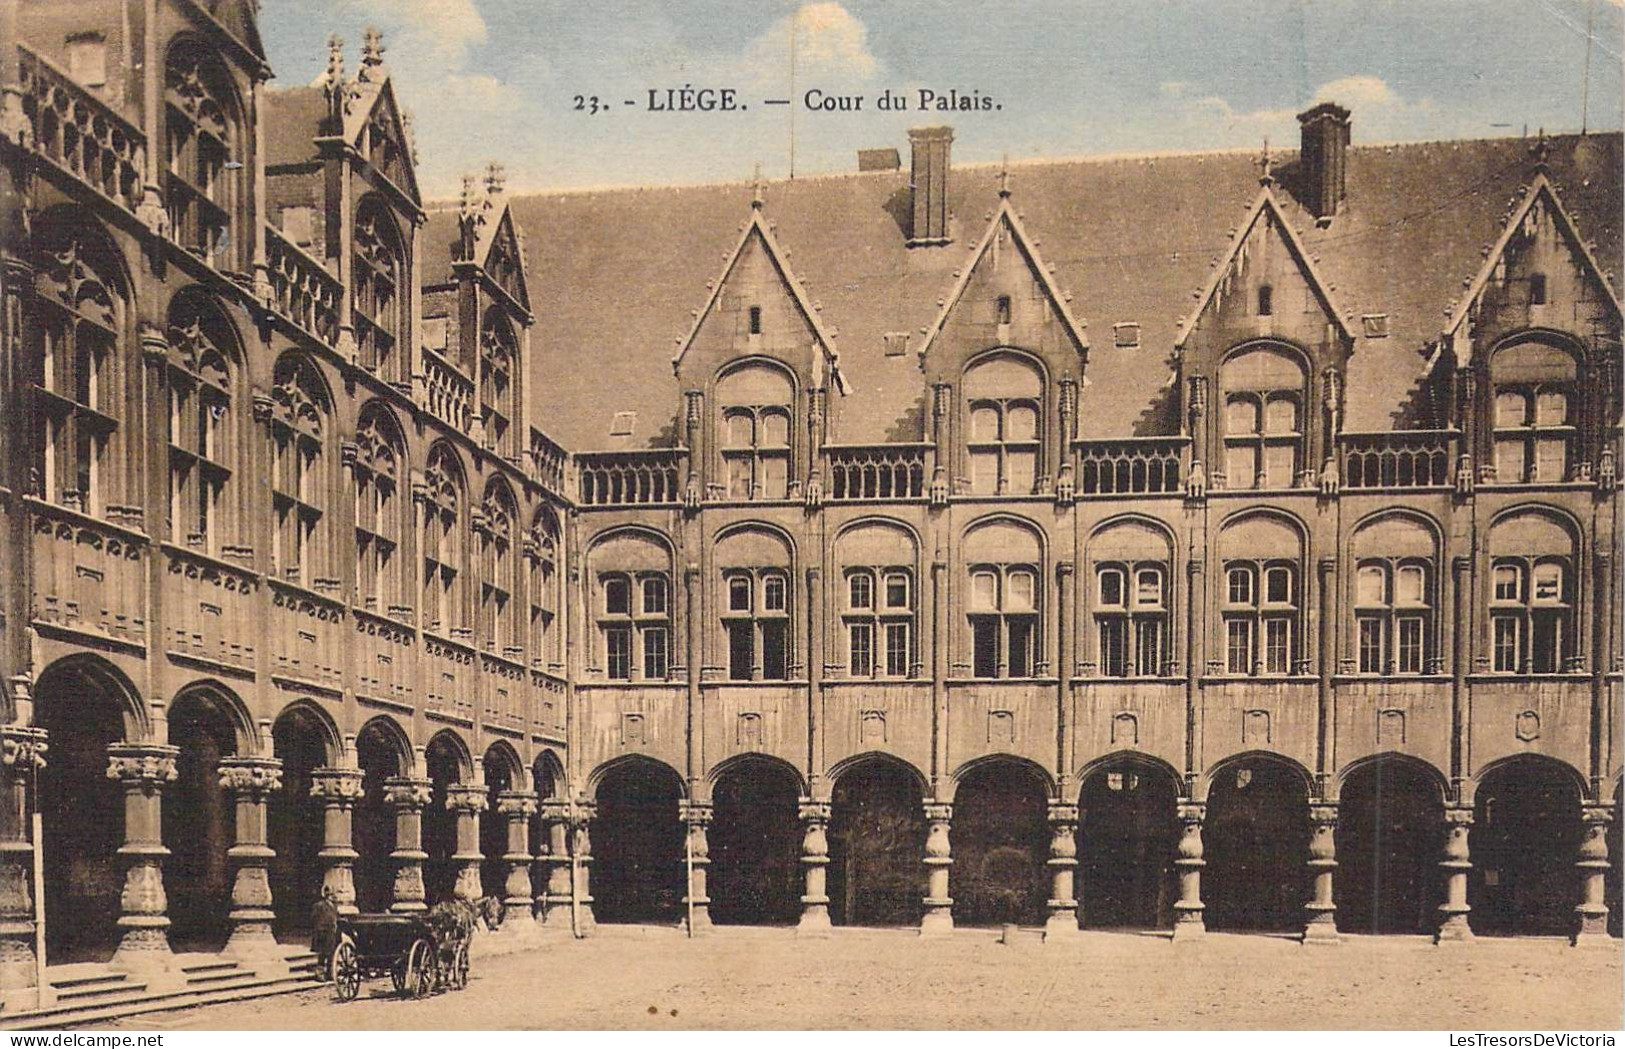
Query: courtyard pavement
(655, 979)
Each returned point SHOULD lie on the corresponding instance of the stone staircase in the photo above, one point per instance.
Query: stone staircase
(94, 992)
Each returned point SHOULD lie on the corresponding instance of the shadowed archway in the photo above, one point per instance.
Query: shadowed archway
(1525, 836)
(755, 844)
(1390, 831)
(1128, 830)
(877, 845)
(1000, 840)
(378, 752)
(304, 744)
(199, 822)
(1257, 844)
(638, 844)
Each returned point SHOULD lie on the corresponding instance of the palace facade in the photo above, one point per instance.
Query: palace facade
(786, 553)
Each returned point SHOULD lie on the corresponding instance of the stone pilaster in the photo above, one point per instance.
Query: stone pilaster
(939, 906)
(466, 801)
(1063, 866)
(516, 807)
(338, 790)
(1591, 913)
(250, 781)
(143, 769)
(815, 868)
(22, 755)
(1456, 862)
(1320, 920)
(553, 901)
(1188, 923)
(581, 815)
(408, 797)
(697, 817)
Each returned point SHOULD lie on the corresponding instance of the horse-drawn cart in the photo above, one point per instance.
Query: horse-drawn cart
(421, 955)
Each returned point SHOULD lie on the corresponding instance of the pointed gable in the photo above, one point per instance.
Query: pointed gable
(757, 306)
(376, 129)
(503, 259)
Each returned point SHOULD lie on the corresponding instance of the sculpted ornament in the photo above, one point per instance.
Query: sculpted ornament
(142, 763)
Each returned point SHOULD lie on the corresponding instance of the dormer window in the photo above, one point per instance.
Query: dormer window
(1004, 429)
(1004, 309)
(1533, 432)
(756, 320)
(754, 431)
(1537, 289)
(1266, 300)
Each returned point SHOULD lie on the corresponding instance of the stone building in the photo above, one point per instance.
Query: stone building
(788, 553)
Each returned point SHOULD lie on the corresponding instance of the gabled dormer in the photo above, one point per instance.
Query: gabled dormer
(1005, 357)
(756, 369)
(1534, 346)
(1263, 356)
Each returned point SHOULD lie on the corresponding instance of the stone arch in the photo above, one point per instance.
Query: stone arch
(304, 738)
(1437, 780)
(1031, 768)
(638, 841)
(391, 734)
(1524, 839)
(309, 713)
(451, 744)
(1000, 840)
(614, 765)
(755, 841)
(1256, 842)
(1390, 835)
(731, 765)
(62, 224)
(207, 722)
(382, 751)
(1128, 833)
(503, 771)
(503, 754)
(88, 670)
(877, 841)
(845, 765)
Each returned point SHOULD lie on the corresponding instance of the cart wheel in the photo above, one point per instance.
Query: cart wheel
(346, 972)
(420, 970)
(459, 968)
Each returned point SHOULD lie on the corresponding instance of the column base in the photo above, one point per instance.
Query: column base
(1454, 929)
(1321, 934)
(939, 918)
(251, 940)
(814, 923)
(1061, 925)
(144, 953)
(1189, 930)
(698, 921)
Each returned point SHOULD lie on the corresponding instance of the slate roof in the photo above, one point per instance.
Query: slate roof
(292, 119)
(438, 247)
(615, 273)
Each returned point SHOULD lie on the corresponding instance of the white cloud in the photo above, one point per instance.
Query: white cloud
(1379, 113)
(445, 28)
(830, 42)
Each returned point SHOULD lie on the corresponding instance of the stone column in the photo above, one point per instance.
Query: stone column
(939, 906)
(1456, 862)
(1063, 866)
(697, 816)
(581, 815)
(516, 807)
(22, 754)
(1320, 925)
(467, 801)
(338, 790)
(1591, 912)
(408, 797)
(1188, 923)
(815, 867)
(143, 769)
(554, 899)
(250, 782)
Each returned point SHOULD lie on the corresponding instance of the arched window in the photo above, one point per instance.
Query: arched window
(1264, 391)
(1532, 595)
(1004, 601)
(1395, 587)
(78, 320)
(378, 290)
(1132, 597)
(376, 476)
(1261, 598)
(498, 359)
(632, 606)
(755, 426)
(498, 564)
(756, 604)
(204, 153)
(299, 424)
(200, 365)
(878, 613)
(542, 555)
(1534, 388)
(442, 542)
(1004, 399)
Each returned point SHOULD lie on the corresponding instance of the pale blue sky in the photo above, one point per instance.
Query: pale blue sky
(496, 79)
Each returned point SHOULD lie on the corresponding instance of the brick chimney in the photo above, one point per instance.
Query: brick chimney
(928, 177)
(1324, 158)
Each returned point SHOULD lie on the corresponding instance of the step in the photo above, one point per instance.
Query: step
(213, 979)
(210, 966)
(124, 986)
(64, 1015)
(87, 980)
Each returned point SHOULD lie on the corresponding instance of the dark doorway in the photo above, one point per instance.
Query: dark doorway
(1526, 832)
(445, 767)
(378, 753)
(199, 825)
(83, 815)
(296, 821)
(1390, 833)
(1128, 831)
(494, 826)
(877, 846)
(638, 870)
(755, 845)
(1256, 839)
(1000, 839)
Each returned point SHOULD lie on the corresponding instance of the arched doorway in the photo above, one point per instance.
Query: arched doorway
(295, 819)
(1256, 839)
(1390, 832)
(877, 845)
(1526, 832)
(444, 758)
(637, 843)
(1000, 839)
(378, 752)
(755, 844)
(199, 822)
(81, 706)
(1128, 830)
(501, 767)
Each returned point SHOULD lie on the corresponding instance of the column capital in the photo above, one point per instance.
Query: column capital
(1462, 563)
(939, 811)
(813, 811)
(338, 785)
(695, 812)
(23, 747)
(142, 763)
(252, 777)
(1062, 812)
(1328, 565)
(512, 803)
(1323, 813)
(1597, 813)
(1191, 811)
(405, 792)
(466, 797)
(1460, 816)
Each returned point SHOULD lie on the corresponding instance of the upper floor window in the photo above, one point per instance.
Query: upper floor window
(1264, 396)
(441, 542)
(1004, 398)
(376, 478)
(878, 613)
(1531, 615)
(1534, 386)
(201, 441)
(299, 427)
(1003, 612)
(378, 290)
(634, 624)
(499, 581)
(77, 316)
(498, 358)
(756, 618)
(204, 154)
(542, 555)
(1261, 608)
(1393, 616)
(755, 429)
(1131, 618)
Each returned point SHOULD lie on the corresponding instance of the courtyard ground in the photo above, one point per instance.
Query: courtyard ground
(655, 979)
